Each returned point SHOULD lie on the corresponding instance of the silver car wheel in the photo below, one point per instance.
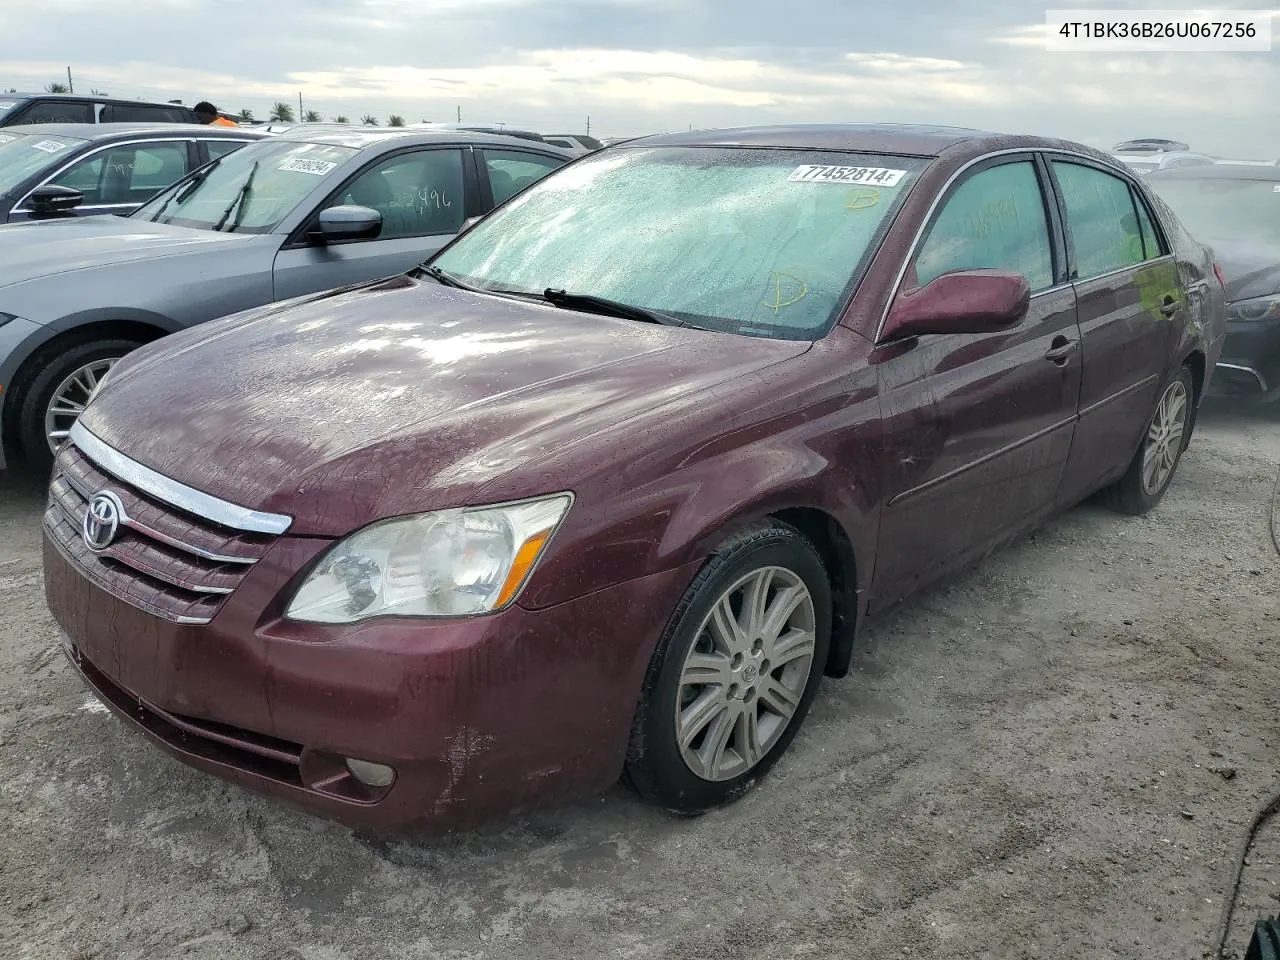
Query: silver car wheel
(1164, 439)
(746, 673)
(70, 399)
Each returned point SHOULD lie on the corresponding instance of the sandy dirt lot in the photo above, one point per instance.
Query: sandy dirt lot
(1056, 755)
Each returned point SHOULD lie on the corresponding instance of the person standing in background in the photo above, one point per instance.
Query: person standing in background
(208, 114)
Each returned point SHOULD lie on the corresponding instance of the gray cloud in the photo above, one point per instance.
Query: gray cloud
(637, 66)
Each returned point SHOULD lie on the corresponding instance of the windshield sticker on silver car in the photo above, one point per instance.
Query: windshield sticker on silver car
(317, 168)
(820, 173)
(49, 146)
(5, 138)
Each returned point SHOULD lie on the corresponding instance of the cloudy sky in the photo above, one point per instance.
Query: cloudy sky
(640, 66)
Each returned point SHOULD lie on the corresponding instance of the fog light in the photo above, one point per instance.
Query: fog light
(371, 774)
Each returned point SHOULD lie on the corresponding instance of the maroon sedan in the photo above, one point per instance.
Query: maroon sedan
(607, 487)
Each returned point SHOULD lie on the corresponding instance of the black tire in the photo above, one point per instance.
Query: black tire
(1130, 494)
(655, 766)
(56, 368)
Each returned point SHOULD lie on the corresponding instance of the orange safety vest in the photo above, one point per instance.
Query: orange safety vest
(224, 122)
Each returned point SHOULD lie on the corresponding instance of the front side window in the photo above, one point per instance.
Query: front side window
(138, 113)
(418, 194)
(218, 148)
(757, 242)
(1101, 219)
(250, 190)
(128, 174)
(58, 111)
(510, 171)
(993, 220)
(23, 155)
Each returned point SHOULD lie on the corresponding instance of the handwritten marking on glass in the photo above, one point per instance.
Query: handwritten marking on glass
(863, 198)
(799, 290)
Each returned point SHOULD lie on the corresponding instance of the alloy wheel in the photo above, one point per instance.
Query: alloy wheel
(1164, 439)
(70, 399)
(746, 673)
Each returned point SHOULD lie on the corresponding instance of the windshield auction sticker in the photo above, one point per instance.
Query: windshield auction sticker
(317, 168)
(49, 146)
(818, 173)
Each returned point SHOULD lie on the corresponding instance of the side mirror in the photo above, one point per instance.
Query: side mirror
(52, 199)
(967, 301)
(468, 224)
(348, 222)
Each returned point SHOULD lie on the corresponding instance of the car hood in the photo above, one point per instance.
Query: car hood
(401, 396)
(42, 248)
(1250, 271)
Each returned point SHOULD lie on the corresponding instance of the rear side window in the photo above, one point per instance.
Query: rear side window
(511, 171)
(1101, 219)
(58, 111)
(995, 219)
(142, 113)
(220, 148)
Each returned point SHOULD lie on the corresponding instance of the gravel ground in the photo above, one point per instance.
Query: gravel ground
(1056, 755)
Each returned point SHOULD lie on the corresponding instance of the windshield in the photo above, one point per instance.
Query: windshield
(6, 106)
(287, 173)
(756, 242)
(1235, 211)
(22, 155)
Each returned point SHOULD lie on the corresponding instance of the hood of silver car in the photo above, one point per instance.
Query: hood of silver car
(29, 251)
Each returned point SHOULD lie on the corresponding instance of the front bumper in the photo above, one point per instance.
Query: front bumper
(479, 717)
(1250, 361)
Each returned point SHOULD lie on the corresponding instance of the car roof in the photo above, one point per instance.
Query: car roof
(900, 138)
(95, 97)
(106, 131)
(1221, 171)
(360, 137)
(1151, 145)
(1159, 157)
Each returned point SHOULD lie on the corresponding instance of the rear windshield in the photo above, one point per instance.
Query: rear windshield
(764, 243)
(1224, 210)
(22, 155)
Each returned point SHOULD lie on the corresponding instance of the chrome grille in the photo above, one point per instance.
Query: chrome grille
(167, 561)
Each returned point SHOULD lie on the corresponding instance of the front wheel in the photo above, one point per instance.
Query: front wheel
(59, 394)
(1157, 459)
(734, 675)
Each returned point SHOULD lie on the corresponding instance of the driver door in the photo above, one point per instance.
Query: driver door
(978, 427)
(422, 196)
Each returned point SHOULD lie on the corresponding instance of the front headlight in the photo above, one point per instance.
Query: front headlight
(1256, 310)
(452, 563)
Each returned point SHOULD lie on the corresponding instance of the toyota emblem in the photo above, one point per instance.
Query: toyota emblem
(102, 520)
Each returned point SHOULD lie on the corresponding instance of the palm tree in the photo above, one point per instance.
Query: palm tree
(98, 93)
(312, 116)
(395, 120)
(340, 119)
(282, 112)
(245, 115)
(369, 120)
(57, 88)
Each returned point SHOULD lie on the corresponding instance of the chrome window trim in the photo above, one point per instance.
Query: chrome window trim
(959, 172)
(93, 153)
(1241, 368)
(174, 493)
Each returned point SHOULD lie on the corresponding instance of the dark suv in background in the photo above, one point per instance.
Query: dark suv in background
(27, 108)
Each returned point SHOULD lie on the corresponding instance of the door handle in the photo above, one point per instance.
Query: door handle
(1170, 306)
(1060, 350)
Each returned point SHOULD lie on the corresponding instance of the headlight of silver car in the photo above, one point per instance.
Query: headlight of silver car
(1256, 310)
(451, 563)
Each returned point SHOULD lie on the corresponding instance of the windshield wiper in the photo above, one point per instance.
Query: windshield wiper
(238, 201)
(184, 191)
(611, 308)
(448, 279)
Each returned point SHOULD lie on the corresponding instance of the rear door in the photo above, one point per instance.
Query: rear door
(978, 427)
(1131, 305)
(422, 194)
